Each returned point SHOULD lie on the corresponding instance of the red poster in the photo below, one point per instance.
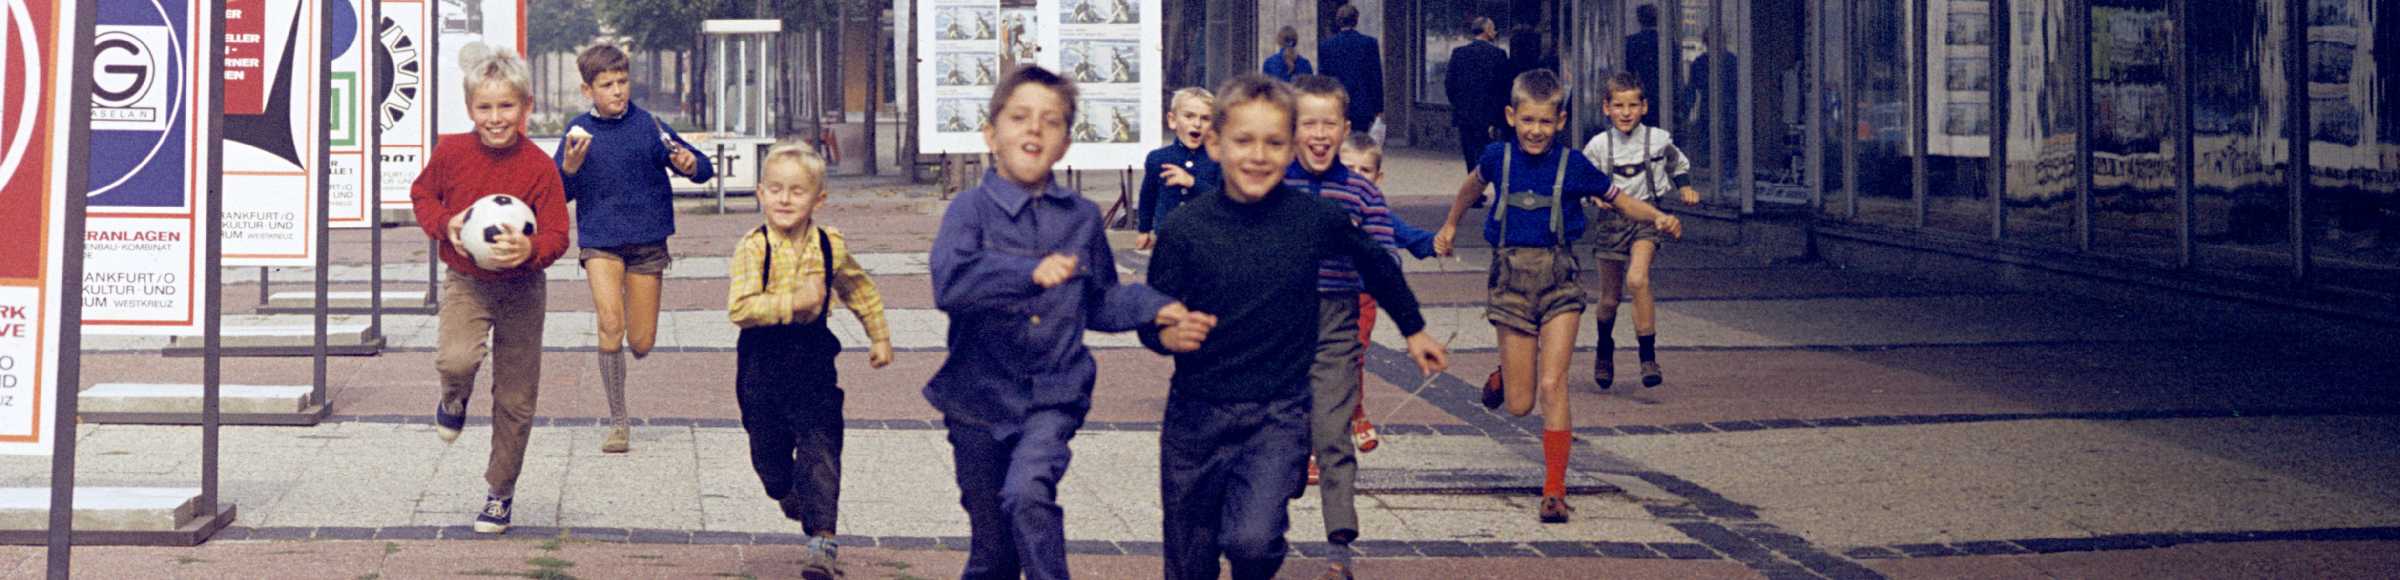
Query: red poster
(25, 132)
(245, 57)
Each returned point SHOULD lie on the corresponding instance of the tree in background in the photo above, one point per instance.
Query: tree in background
(554, 27)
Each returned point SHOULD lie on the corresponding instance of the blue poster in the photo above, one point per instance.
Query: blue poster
(140, 109)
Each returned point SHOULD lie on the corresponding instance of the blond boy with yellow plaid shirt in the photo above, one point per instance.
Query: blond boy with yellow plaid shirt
(785, 275)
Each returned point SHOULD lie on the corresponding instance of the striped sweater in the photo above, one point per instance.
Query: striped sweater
(1362, 201)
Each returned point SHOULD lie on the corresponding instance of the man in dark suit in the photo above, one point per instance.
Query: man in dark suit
(1641, 54)
(1357, 61)
(1478, 89)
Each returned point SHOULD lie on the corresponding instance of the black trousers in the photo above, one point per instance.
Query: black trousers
(1227, 472)
(1471, 143)
(792, 409)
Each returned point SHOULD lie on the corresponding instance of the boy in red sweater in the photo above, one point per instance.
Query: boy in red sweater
(504, 304)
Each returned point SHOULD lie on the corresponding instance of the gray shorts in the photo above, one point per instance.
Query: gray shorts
(1613, 235)
(651, 259)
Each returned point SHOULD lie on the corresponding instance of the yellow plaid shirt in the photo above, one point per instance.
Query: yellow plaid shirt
(797, 262)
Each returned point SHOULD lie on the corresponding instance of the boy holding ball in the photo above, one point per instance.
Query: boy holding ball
(504, 304)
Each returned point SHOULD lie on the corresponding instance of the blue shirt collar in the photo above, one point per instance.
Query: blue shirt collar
(1012, 196)
(1338, 173)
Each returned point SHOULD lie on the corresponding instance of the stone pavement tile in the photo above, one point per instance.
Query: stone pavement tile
(1525, 568)
(1961, 567)
(453, 559)
(611, 560)
(2236, 560)
(284, 559)
(1511, 518)
(114, 562)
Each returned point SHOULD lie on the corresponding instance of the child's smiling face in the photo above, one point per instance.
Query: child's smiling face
(1626, 108)
(790, 194)
(1029, 135)
(1190, 121)
(1536, 124)
(1365, 164)
(1323, 127)
(498, 111)
(1254, 146)
(609, 93)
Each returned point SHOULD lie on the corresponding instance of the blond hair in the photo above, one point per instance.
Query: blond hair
(480, 63)
(1537, 86)
(1365, 145)
(799, 151)
(1191, 93)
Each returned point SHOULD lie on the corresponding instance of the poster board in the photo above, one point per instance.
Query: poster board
(1959, 81)
(34, 163)
(149, 168)
(398, 94)
(270, 132)
(461, 22)
(351, 44)
(1112, 49)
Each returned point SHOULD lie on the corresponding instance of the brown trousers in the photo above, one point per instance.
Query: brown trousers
(510, 313)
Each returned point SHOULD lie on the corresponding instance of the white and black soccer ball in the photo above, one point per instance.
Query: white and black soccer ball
(486, 220)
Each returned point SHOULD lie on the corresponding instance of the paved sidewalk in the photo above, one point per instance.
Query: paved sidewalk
(1817, 423)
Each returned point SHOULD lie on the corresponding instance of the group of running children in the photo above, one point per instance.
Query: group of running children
(1270, 239)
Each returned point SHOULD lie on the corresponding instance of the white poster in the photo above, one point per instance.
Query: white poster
(958, 49)
(1112, 50)
(401, 78)
(270, 131)
(34, 163)
(148, 168)
(350, 42)
(499, 22)
(1959, 77)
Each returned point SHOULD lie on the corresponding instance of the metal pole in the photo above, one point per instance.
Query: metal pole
(1813, 157)
(1917, 115)
(432, 79)
(212, 336)
(1745, 152)
(2079, 16)
(374, 193)
(2295, 77)
(2001, 91)
(720, 183)
(70, 338)
(324, 222)
(262, 285)
(1850, 107)
(2183, 133)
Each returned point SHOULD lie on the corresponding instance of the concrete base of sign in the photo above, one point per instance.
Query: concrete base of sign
(284, 340)
(348, 302)
(170, 404)
(135, 516)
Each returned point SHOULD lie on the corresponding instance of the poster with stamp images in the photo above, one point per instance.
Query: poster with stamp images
(1109, 48)
(961, 44)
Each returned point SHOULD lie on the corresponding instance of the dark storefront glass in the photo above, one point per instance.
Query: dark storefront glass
(1836, 118)
(2135, 210)
(1886, 187)
(2042, 117)
(1958, 105)
(1698, 52)
(2354, 168)
(2241, 210)
(1779, 73)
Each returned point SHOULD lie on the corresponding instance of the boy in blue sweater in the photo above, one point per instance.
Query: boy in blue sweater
(1180, 171)
(611, 162)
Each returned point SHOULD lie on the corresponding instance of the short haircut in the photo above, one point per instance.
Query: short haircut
(1287, 37)
(602, 58)
(1037, 75)
(482, 62)
(801, 152)
(1365, 143)
(1479, 25)
(1346, 17)
(1322, 86)
(1647, 15)
(1190, 94)
(1250, 88)
(1623, 81)
(1537, 86)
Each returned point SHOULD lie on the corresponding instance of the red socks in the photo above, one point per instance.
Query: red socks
(1556, 447)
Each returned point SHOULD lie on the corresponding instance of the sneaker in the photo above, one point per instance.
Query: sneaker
(619, 440)
(1336, 572)
(1492, 395)
(494, 518)
(1362, 434)
(1555, 510)
(1604, 370)
(447, 423)
(1650, 376)
(818, 566)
